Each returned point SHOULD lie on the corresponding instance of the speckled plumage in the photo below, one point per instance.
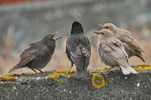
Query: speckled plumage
(78, 50)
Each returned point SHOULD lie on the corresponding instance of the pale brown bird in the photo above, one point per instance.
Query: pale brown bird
(78, 50)
(38, 54)
(112, 52)
(132, 47)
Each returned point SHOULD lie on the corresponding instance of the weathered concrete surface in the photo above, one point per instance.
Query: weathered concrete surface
(130, 87)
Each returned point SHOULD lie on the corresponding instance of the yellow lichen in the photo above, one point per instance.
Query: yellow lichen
(104, 68)
(98, 81)
(110, 80)
(20, 74)
(92, 71)
(142, 67)
(57, 79)
(14, 87)
(5, 78)
(59, 73)
(9, 75)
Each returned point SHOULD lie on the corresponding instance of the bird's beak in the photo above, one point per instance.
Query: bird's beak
(102, 26)
(56, 37)
(97, 32)
(53, 36)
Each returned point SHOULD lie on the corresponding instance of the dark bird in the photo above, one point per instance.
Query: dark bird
(132, 47)
(78, 50)
(38, 54)
(112, 52)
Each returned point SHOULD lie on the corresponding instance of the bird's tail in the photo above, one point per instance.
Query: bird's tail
(15, 67)
(139, 55)
(127, 70)
(81, 74)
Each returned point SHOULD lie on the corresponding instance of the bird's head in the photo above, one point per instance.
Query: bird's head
(109, 26)
(104, 33)
(76, 28)
(50, 39)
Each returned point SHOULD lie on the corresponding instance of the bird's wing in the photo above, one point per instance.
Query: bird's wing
(68, 48)
(68, 53)
(116, 51)
(79, 54)
(31, 53)
(129, 40)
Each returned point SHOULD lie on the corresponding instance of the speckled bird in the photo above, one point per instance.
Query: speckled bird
(112, 52)
(132, 47)
(78, 50)
(38, 54)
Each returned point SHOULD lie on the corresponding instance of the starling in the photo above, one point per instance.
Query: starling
(38, 54)
(132, 47)
(112, 52)
(78, 50)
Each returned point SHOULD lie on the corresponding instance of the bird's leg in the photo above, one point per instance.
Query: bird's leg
(108, 70)
(38, 74)
(117, 69)
(40, 71)
(34, 71)
(106, 73)
(70, 68)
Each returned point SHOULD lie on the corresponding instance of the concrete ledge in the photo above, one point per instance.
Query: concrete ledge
(58, 85)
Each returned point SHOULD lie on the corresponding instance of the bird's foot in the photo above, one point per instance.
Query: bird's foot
(69, 73)
(106, 74)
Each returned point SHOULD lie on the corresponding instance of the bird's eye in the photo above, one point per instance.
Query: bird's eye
(107, 27)
(102, 33)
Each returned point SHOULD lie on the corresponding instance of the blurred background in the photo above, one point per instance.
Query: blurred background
(26, 21)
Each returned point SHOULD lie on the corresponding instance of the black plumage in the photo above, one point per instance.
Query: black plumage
(38, 54)
(78, 50)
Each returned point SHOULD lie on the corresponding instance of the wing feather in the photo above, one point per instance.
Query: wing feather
(126, 37)
(78, 52)
(116, 51)
(31, 53)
